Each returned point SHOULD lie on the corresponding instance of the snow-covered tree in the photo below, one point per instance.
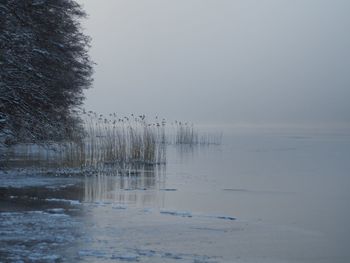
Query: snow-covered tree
(44, 68)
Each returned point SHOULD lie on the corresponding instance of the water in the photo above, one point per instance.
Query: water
(255, 198)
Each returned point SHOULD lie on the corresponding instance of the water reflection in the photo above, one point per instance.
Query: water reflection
(141, 188)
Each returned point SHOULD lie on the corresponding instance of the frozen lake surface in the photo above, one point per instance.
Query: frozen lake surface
(255, 198)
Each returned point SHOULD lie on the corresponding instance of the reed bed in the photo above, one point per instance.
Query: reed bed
(124, 140)
(187, 134)
(122, 143)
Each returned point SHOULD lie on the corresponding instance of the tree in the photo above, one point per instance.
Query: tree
(44, 69)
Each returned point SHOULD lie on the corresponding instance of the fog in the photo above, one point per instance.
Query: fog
(262, 62)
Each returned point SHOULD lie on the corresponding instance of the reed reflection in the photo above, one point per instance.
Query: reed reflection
(141, 187)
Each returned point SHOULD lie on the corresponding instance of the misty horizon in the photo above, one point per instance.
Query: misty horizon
(259, 63)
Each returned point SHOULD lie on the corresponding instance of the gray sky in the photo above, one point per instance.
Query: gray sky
(222, 61)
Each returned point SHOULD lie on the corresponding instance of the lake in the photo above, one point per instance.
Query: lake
(267, 197)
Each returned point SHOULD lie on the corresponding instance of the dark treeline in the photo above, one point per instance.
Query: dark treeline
(44, 69)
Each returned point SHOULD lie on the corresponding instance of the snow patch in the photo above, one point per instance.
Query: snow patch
(175, 256)
(125, 257)
(71, 202)
(92, 253)
(120, 207)
(55, 210)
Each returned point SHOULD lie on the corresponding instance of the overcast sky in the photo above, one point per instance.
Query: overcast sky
(222, 61)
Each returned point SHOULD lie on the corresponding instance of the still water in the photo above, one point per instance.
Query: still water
(255, 198)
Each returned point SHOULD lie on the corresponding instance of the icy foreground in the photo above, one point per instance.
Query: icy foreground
(50, 219)
(38, 225)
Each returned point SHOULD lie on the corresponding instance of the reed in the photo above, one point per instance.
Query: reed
(125, 142)
(187, 134)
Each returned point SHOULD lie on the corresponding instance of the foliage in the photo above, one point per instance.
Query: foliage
(44, 68)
